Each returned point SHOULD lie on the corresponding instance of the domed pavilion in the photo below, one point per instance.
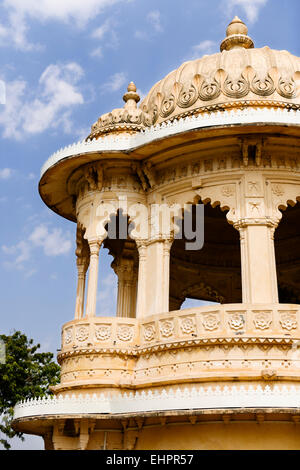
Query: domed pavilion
(214, 146)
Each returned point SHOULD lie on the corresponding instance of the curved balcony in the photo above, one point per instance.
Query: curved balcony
(205, 344)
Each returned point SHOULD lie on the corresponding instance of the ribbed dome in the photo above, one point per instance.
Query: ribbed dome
(238, 76)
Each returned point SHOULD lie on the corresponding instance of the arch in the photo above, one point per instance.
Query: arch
(213, 273)
(287, 253)
(125, 263)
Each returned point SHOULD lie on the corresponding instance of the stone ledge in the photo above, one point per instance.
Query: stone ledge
(201, 398)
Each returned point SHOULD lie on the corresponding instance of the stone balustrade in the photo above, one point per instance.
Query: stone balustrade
(219, 323)
(251, 342)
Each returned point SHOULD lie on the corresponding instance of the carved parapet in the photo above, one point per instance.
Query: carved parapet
(200, 344)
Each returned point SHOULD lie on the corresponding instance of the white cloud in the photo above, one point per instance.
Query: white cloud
(114, 83)
(250, 7)
(53, 243)
(20, 252)
(107, 30)
(99, 32)
(97, 52)
(205, 47)
(47, 107)
(6, 173)
(75, 12)
(154, 18)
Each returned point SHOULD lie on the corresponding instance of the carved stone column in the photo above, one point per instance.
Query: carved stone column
(259, 279)
(142, 279)
(154, 277)
(93, 278)
(127, 287)
(82, 253)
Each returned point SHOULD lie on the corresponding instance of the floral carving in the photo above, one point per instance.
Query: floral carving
(188, 325)
(236, 88)
(187, 97)
(262, 320)
(236, 321)
(68, 336)
(228, 190)
(103, 332)
(167, 328)
(149, 332)
(211, 321)
(287, 87)
(82, 333)
(288, 321)
(210, 89)
(168, 106)
(125, 333)
(262, 87)
(278, 190)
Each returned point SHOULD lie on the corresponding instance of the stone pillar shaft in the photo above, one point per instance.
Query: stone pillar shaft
(126, 302)
(154, 278)
(259, 279)
(93, 278)
(82, 269)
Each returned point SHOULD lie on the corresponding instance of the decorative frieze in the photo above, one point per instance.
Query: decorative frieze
(211, 321)
(288, 320)
(262, 320)
(197, 325)
(102, 332)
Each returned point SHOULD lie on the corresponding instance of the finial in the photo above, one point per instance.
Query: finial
(236, 36)
(131, 98)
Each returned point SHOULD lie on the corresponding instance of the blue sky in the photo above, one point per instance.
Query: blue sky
(64, 63)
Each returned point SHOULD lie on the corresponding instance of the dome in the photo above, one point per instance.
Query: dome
(238, 76)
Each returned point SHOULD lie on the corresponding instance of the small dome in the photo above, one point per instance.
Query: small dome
(126, 119)
(238, 76)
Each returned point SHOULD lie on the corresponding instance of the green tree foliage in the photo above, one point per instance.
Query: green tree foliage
(26, 373)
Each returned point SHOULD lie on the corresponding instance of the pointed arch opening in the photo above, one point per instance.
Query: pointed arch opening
(124, 261)
(211, 274)
(287, 254)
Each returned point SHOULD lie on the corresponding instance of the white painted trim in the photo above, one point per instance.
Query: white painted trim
(227, 397)
(130, 141)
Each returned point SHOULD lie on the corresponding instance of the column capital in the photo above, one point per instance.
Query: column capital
(124, 268)
(243, 223)
(94, 245)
